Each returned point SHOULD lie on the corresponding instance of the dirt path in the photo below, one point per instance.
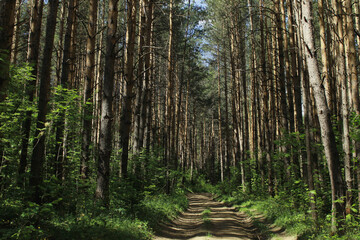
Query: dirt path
(207, 218)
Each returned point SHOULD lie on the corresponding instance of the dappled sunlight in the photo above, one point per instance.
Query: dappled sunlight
(221, 222)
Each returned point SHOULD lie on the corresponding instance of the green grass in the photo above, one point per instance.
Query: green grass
(206, 216)
(154, 209)
(276, 211)
(206, 213)
(296, 221)
(31, 221)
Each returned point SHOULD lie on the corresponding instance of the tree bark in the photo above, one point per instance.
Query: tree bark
(253, 120)
(345, 91)
(227, 132)
(308, 142)
(138, 140)
(88, 89)
(221, 159)
(15, 38)
(64, 82)
(265, 105)
(169, 117)
(105, 143)
(38, 155)
(126, 116)
(145, 121)
(7, 19)
(324, 56)
(284, 127)
(352, 72)
(327, 133)
(32, 58)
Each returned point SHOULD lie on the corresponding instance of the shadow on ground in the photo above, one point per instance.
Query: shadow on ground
(207, 218)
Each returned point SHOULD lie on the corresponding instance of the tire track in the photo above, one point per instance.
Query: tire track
(207, 218)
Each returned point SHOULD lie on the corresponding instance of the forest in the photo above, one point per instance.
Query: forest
(118, 115)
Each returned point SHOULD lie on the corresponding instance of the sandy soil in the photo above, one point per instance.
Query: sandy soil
(221, 222)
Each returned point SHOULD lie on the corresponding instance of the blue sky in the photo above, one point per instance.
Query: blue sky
(200, 2)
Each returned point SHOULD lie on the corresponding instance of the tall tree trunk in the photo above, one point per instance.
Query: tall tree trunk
(275, 115)
(253, 134)
(187, 130)
(340, 75)
(38, 155)
(353, 78)
(145, 121)
(126, 116)
(324, 56)
(290, 80)
(308, 141)
(32, 58)
(169, 98)
(138, 141)
(295, 76)
(105, 143)
(88, 89)
(181, 84)
(327, 133)
(221, 159)
(65, 77)
(60, 42)
(265, 104)
(227, 132)
(98, 85)
(7, 19)
(284, 127)
(235, 93)
(15, 37)
(244, 123)
(355, 85)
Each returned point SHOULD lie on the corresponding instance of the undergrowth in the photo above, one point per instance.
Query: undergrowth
(294, 218)
(26, 220)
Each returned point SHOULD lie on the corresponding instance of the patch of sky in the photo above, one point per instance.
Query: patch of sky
(200, 3)
(203, 24)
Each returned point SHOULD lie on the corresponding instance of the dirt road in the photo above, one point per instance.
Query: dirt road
(207, 218)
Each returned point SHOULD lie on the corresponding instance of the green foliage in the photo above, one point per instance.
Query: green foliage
(155, 209)
(276, 210)
(67, 101)
(205, 215)
(351, 231)
(12, 111)
(104, 226)
(198, 183)
(287, 214)
(126, 218)
(69, 212)
(355, 127)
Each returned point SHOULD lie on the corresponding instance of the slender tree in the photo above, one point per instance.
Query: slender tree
(169, 117)
(105, 143)
(324, 56)
(38, 154)
(16, 33)
(32, 58)
(88, 90)
(138, 139)
(221, 159)
(353, 83)
(65, 82)
(126, 115)
(7, 19)
(327, 133)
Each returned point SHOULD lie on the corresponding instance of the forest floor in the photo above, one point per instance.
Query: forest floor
(207, 219)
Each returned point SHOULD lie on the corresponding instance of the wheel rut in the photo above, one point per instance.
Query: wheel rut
(207, 218)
